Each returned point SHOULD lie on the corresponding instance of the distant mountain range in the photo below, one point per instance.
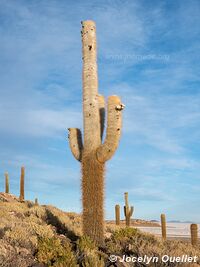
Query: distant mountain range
(177, 221)
(174, 221)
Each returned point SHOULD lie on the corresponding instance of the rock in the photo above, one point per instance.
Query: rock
(5, 197)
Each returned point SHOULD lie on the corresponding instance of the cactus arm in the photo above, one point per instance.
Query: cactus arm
(126, 199)
(131, 211)
(114, 121)
(101, 101)
(125, 213)
(75, 141)
(128, 212)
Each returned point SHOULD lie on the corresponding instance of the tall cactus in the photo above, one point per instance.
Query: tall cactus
(194, 234)
(128, 212)
(163, 226)
(92, 153)
(117, 214)
(6, 183)
(21, 197)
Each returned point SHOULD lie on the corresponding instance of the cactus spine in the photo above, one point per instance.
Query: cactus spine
(6, 183)
(163, 226)
(117, 214)
(128, 212)
(21, 197)
(194, 234)
(93, 153)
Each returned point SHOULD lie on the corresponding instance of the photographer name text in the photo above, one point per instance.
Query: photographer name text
(147, 259)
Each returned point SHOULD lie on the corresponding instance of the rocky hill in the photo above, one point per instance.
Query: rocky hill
(38, 236)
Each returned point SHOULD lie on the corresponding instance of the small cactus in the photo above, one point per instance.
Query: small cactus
(194, 234)
(163, 226)
(36, 201)
(21, 197)
(6, 183)
(117, 214)
(128, 212)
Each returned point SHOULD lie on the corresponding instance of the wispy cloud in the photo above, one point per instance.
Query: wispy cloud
(38, 123)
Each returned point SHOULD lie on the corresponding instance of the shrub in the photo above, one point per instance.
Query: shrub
(55, 253)
(132, 242)
(88, 253)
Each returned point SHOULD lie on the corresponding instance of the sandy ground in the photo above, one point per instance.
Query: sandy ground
(174, 230)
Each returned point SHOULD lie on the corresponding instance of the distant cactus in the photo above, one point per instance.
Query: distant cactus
(21, 197)
(194, 234)
(163, 226)
(36, 202)
(93, 153)
(6, 183)
(117, 214)
(128, 212)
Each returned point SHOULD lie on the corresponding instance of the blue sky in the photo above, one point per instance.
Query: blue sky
(148, 53)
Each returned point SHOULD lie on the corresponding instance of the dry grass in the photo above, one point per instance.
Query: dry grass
(130, 241)
(45, 235)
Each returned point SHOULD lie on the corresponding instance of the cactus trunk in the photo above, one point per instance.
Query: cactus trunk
(194, 234)
(93, 197)
(93, 154)
(21, 197)
(117, 214)
(6, 183)
(163, 226)
(128, 212)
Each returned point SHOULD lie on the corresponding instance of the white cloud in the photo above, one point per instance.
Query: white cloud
(39, 122)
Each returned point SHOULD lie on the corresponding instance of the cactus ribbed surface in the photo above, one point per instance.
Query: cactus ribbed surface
(163, 226)
(21, 197)
(117, 214)
(194, 234)
(6, 183)
(92, 153)
(128, 212)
